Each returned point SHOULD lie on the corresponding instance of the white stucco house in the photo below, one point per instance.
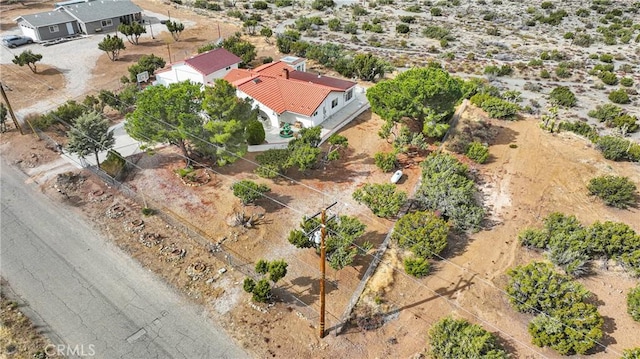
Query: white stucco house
(203, 68)
(285, 93)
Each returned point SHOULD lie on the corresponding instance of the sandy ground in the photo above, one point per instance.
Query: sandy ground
(545, 173)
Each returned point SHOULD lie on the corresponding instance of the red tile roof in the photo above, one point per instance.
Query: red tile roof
(211, 61)
(301, 93)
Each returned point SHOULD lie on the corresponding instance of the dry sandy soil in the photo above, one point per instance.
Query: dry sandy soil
(545, 173)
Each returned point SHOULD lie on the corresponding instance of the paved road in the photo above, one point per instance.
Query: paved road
(87, 293)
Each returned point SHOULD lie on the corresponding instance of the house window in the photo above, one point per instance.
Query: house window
(54, 28)
(348, 96)
(334, 103)
(106, 23)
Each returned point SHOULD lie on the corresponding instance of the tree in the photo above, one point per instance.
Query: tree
(423, 232)
(241, 48)
(175, 28)
(368, 66)
(619, 96)
(421, 94)
(615, 191)
(457, 338)
(3, 118)
(382, 199)
(228, 117)
(250, 25)
(562, 95)
(255, 133)
(90, 134)
(341, 234)
(285, 40)
(168, 115)
(132, 31)
(261, 290)
(27, 58)
(112, 46)
(249, 191)
(149, 63)
(267, 33)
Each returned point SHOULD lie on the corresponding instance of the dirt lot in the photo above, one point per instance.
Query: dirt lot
(545, 173)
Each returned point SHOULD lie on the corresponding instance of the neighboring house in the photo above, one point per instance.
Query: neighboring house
(286, 95)
(91, 17)
(203, 68)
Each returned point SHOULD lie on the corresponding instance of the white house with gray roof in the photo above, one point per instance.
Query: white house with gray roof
(91, 17)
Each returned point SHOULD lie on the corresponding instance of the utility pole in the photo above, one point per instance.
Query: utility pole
(13, 116)
(323, 254)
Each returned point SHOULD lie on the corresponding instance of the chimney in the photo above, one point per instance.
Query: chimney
(285, 73)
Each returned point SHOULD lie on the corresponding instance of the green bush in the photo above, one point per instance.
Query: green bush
(402, 28)
(619, 96)
(456, 338)
(613, 148)
(499, 108)
(260, 5)
(248, 191)
(609, 78)
(611, 239)
(114, 164)
(626, 81)
(424, 233)
(633, 303)
(417, 267)
(615, 191)
(382, 199)
(562, 95)
(446, 187)
(386, 161)
(631, 353)
(478, 152)
(255, 133)
(606, 112)
(568, 330)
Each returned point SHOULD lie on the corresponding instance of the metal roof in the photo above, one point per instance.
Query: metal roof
(46, 18)
(101, 10)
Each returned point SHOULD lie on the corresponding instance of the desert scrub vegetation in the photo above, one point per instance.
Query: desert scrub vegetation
(571, 246)
(422, 232)
(447, 187)
(615, 191)
(563, 320)
(457, 338)
(633, 303)
(382, 199)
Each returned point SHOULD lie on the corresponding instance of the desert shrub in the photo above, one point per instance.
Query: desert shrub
(386, 161)
(422, 232)
(615, 191)
(457, 338)
(580, 128)
(606, 112)
(334, 24)
(382, 199)
(619, 96)
(478, 152)
(611, 239)
(322, 4)
(402, 28)
(627, 122)
(435, 11)
(436, 32)
(547, 5)
(417, 267)
(614, 148)
(255, 133)
(563, 72)
(407, 19)
(562, 95)
(447, 188)
(608, 58)
(609, 78)
(248, 191)
(260, 5)
(582, 329)
(633, 303)
(499, 108)
(272, 163)
(631, 353)
(626, 81)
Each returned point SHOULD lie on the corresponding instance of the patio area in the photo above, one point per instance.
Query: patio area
(329, 126)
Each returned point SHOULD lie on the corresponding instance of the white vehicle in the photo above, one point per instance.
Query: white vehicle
(396, 177)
